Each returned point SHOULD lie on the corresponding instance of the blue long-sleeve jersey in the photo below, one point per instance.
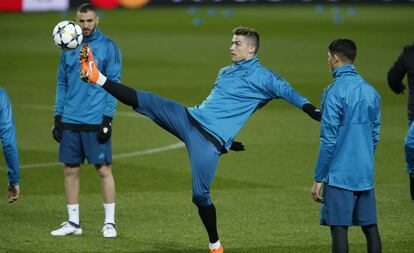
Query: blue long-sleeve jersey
(239, 90)
(78, 102)
(350, 126)
(8, 139)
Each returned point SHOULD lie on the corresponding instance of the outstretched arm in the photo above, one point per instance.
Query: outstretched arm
(279, 88)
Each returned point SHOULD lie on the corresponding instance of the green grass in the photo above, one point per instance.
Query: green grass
(262, 195)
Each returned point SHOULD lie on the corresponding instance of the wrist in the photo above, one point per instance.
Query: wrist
(106, 119)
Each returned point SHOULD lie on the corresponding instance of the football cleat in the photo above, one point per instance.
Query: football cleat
(219, 250)
(89, 71)
(108, 230)
(67, 228)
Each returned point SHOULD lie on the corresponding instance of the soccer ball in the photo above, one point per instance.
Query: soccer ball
(67, 35)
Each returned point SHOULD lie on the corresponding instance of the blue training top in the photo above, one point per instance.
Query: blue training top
(79, 102)
(350, 126)
(239, 90)
(8, 139)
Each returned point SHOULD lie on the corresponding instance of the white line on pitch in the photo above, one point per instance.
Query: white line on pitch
(50, 108)
(118, 156)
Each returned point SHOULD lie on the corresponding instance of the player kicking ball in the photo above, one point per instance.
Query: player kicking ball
(208, 130)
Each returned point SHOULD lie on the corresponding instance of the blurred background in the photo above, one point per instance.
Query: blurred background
(175, 49)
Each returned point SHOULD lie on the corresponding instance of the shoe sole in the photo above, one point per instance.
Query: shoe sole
(113, 236)
(77, 232)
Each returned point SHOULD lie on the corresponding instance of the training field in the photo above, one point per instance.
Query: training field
(262, 195)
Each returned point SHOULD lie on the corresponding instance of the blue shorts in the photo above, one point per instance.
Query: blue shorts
(204, 156)
(75, 146)
(345, 208)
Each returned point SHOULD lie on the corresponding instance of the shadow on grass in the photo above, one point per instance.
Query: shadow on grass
(172, 248)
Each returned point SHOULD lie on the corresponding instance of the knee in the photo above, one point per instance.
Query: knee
(104, 170)
(202, 199)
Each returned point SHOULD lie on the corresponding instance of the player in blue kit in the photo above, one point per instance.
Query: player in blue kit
(208, 130)
(350, 128)
(83, 122)
(8, 140)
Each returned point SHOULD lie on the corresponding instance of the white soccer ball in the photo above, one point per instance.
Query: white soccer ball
(67, 35)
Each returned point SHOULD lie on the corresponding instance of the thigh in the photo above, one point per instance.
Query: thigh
(168, 114)
(365, 210)
(336, 210)
(95, 152)
(70, 148)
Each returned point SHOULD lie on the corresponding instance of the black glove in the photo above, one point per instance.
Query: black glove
(237, 146)
(105, 129)
(57, 128)
(399, 89)
(312, 111)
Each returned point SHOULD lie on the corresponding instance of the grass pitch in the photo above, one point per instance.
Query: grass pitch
(262, 195)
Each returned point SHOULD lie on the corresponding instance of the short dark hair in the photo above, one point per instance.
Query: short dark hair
(344, 48)
(250, 34)
(85, 7)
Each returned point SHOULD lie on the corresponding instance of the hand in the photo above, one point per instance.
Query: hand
(57, 128)
(399, 89)
(14, 193)
(105, 129)
(316, 192)
(237, 146)
(312, 111)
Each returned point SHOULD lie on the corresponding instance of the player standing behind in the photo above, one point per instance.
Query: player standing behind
(8, 140)
(208, 129)
(83, 115)
(402, 66)
(350, 128)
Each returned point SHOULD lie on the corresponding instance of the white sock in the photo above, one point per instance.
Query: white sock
(215, 245)
(109, 213)
(73, 211)
(101, 79)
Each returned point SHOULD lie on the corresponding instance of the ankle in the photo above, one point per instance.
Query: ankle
(215, 245)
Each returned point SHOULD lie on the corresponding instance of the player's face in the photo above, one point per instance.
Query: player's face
(240, 49)
(87, 21)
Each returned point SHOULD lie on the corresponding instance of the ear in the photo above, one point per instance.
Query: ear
(251, 49)
(97, 20)
(336, 59)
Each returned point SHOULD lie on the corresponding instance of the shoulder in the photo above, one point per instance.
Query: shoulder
(409, 47)
(3, 96)
(408, 50)
(370, 89)
(106, 42)
(112, 44)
